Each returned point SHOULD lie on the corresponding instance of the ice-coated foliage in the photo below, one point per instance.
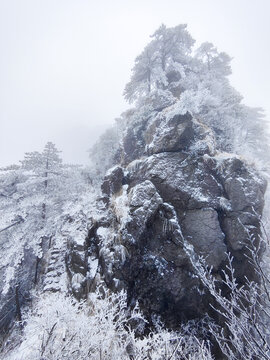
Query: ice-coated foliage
(103, 153)
(46, 161)
(172, 71)
(103, 327)
(160, 63)
(34, 201)
(244, 308)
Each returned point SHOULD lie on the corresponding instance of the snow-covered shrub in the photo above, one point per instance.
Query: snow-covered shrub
(103, 327)
(245, 309)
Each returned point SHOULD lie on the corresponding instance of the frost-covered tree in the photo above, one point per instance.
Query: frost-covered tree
(174, 47)
(46, 166)
(33, 199)
(170, 71)
(216, 63)
(160, 62)
(46, 163)
(144, 75)
(103, 152)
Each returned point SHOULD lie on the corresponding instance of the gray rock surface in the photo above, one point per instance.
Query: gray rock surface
(202, 230)
(180, 191)
(113, 181)
(24, 280)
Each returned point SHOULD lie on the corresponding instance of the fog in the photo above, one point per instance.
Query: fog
(64, 63)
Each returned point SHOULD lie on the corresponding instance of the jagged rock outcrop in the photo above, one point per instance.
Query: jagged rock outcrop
(113, 181)
(173, 188)
(17, 294)
(166, 132)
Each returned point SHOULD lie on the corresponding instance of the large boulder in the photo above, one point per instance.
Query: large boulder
(166, 132)
(113, 181)
(179, 192)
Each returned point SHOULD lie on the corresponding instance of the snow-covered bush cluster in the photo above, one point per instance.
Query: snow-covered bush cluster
(100, 328)
(244, 309)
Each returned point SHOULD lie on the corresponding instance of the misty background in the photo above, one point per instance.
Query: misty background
(64, 63)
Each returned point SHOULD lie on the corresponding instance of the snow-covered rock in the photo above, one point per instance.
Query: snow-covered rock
(180, 192)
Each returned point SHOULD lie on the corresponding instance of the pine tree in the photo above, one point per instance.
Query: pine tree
(159, 63)
(215, 62)
(169, 72)
(46, 166)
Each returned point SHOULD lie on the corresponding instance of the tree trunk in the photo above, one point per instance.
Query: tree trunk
(149, 80)
(43, 211)
(36, 271)
(45, 186)
(18, 306)
(17, 222)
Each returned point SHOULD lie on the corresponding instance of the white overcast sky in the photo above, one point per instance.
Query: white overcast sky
(64, 63)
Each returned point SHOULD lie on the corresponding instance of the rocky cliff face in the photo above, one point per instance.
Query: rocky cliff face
(174, 189)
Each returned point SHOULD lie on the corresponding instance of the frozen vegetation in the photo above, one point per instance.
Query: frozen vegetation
(159, 249)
